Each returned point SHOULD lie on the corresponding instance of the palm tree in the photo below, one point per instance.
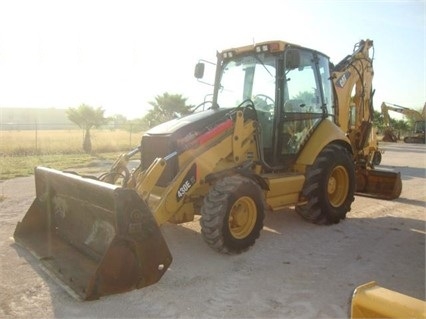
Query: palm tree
(166, 107)
(87, 117)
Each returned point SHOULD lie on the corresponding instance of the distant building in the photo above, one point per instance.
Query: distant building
(12, 118)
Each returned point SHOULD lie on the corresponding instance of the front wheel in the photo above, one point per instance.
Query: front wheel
(329, 187)
(232, 214)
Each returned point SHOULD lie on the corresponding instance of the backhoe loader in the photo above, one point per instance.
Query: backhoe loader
(273, 136)
(419, 132)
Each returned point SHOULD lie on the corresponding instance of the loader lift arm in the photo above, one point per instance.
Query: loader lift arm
(98, 238)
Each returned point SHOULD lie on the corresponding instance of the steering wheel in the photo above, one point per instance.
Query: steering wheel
(264, 99)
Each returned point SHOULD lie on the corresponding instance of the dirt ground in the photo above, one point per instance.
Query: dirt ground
(295, 269)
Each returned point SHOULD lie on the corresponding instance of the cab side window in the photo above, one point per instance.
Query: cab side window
(302, 101)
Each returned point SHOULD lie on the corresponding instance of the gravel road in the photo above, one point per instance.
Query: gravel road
(295, 269)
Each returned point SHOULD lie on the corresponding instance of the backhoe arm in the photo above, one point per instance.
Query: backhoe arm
(352, 79)
(355, 107)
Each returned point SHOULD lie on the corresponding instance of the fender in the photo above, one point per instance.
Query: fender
(327, 132)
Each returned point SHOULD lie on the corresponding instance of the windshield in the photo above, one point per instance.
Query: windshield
(248, 77)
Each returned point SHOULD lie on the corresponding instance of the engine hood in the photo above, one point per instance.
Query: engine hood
(189, 123)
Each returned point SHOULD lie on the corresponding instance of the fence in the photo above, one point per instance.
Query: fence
(48, 138)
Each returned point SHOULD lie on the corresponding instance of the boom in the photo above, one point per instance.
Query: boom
(386, 107)
(352, 78)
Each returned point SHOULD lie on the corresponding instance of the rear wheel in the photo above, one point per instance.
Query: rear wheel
(329, 187)
(232, 215)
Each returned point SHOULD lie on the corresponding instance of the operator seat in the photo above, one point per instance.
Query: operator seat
(291, 124)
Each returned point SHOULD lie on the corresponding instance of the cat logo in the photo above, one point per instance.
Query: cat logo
(343, 79)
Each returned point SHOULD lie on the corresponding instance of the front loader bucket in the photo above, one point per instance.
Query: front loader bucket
(96, 238)
(378, 183)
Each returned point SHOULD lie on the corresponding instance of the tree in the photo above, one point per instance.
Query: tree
(378, 120)
(397, 127)
(305, 96)
(166, 107)
(412, 117)
(87, 117)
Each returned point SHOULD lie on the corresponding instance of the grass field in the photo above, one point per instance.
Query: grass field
(21, 151)
(18, 143)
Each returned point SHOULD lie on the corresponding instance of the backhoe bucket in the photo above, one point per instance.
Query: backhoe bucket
(96, 238)
(378, 183)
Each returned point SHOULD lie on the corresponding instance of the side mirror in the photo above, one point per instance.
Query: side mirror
(199, 70)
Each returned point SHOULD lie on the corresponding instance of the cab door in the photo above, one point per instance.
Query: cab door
(306, 100)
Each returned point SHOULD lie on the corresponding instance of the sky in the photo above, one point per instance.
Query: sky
(120, 55)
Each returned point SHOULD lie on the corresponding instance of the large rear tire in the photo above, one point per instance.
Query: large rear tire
(232, 215)
(329, 187)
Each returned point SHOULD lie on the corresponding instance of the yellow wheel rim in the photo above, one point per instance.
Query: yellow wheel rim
(338, 186)
(242, 217)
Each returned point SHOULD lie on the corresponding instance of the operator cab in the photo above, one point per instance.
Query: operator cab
(288, 86)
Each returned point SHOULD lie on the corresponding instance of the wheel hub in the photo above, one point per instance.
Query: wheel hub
(338, 186)
(242, 217)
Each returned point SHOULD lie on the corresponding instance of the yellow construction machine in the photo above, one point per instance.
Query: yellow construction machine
(370, 300)
(273, 136)
(418, 135)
